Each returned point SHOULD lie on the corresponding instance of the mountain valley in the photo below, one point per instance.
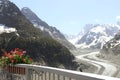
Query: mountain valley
(94, 50)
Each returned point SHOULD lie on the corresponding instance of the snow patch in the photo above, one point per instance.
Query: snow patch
(4, 29)
(99, 29)
(0, 2)
(102, 40)
(74, 40)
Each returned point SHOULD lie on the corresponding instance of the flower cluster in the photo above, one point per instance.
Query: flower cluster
(15, 56)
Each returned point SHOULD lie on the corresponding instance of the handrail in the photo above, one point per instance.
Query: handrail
(37, 72)
(67, 73)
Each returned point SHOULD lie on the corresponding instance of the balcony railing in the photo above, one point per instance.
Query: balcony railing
(36, 72)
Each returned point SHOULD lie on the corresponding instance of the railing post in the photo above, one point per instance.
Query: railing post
(27, 75)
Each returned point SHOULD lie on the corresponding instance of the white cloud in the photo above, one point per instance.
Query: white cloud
(117, 17)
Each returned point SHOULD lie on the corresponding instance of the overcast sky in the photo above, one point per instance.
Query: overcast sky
(70, 15)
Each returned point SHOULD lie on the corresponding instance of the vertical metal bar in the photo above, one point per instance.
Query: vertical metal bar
(42, 76)
(45, 76)
(27, 74)
(70, 79)
(53, 76)
(34, 74)
(39, 76)
(58, 76)
(63, 77)
(49, 75)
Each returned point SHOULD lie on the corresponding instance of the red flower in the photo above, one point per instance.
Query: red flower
(15, 56)
(9, 56)
(31, 59)
(11, 51)
(16, 49)
(20, 53)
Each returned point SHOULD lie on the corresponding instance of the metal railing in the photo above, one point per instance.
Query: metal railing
(36, 72)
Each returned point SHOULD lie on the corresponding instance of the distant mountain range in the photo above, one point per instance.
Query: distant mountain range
(91, 36)
(94, 35)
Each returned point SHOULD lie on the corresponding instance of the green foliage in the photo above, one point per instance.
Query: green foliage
(45, 48)
(48, 49)
(16, 56)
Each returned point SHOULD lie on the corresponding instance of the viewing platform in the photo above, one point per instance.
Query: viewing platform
(36, 72)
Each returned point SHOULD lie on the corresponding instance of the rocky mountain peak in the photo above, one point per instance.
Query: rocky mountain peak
(4, 4)
(99, 35)
(112, 46)
(47, 29)
(30, 15)
(26, 10)
(10, 14)
(95, 35)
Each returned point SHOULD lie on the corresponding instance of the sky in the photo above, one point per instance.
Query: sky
(69, 16)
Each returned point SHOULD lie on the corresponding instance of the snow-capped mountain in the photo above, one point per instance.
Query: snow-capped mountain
(95, 36)
(48, 30)
(75, 38)
(112, 46)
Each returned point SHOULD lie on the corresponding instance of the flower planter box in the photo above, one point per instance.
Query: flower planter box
(15, 56)
(16, 70)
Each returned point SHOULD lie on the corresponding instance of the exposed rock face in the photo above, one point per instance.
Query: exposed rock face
(52, 31)
(112, 46)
